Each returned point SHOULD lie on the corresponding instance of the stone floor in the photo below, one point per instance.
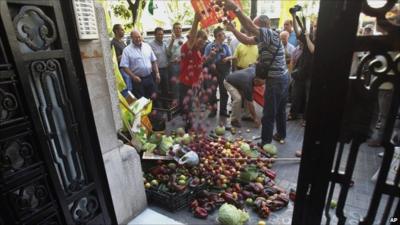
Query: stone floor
(358, 197)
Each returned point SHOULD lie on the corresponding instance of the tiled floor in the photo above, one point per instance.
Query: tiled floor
(358, 197)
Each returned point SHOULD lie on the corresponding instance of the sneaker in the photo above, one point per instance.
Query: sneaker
(236, 123)
(224, 113)
(212, 114)
(278, 138)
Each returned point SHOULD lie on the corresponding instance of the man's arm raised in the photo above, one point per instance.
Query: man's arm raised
(244, 20)
(193, 31)
(240, 36)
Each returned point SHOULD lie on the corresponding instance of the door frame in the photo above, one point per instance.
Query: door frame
(90, 146)
(336, 41)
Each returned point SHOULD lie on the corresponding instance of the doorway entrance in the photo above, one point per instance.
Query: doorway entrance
(51, 169)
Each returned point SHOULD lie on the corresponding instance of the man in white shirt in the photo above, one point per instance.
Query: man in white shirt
(289, 48)
(140, 63)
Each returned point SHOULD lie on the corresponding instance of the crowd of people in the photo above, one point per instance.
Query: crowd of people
(190, 69)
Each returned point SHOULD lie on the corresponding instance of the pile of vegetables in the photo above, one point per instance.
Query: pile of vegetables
(233, 170)
(172, 177)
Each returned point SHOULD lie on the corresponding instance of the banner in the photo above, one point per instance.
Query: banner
(212, 13)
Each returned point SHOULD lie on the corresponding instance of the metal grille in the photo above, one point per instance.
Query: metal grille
(342, 110)
(46, 176)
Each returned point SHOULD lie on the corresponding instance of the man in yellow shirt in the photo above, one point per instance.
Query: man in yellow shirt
(244, 55)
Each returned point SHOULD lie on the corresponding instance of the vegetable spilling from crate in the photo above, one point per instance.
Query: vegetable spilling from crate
(230, 174)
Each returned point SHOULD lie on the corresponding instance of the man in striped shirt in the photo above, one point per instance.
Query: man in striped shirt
(276, 84)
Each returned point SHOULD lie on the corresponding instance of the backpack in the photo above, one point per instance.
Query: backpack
(263, 66)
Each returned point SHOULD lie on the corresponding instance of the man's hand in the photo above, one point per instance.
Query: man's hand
(137, 79)
(157, 78)
(229, 26)
(213, 52)
(226, 59)
(228, 5)
(173, 37)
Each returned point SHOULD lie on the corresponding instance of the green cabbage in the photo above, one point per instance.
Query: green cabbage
(149, 147)
(230, 215)
(155, 139)
(249, 174)
(270, 149)
(245, 148)
(178, 140)
(165, 144)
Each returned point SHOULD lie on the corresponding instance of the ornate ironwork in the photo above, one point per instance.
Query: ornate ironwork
(52, 90)
(11, 106)
(56, 110)
(328, 137)
(380, 15)
(8, 105)
(33, 27)
(29, 198)
(15, 155)
(4, 64)
(376, 68)
(85, 209)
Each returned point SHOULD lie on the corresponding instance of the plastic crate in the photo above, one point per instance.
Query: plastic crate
(172, 201)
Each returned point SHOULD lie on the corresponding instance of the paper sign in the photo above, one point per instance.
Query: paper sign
(212, 13)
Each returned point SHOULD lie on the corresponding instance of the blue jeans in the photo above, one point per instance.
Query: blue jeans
(146, 88)
(275, 99)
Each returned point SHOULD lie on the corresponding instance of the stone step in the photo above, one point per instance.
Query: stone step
(151, 217)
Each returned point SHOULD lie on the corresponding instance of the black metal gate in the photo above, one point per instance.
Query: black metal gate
(51, 169)
(340, 112)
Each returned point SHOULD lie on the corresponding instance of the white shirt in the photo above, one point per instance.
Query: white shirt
(175, 53)
(290, 48)
(138, 59)
(160, 50)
